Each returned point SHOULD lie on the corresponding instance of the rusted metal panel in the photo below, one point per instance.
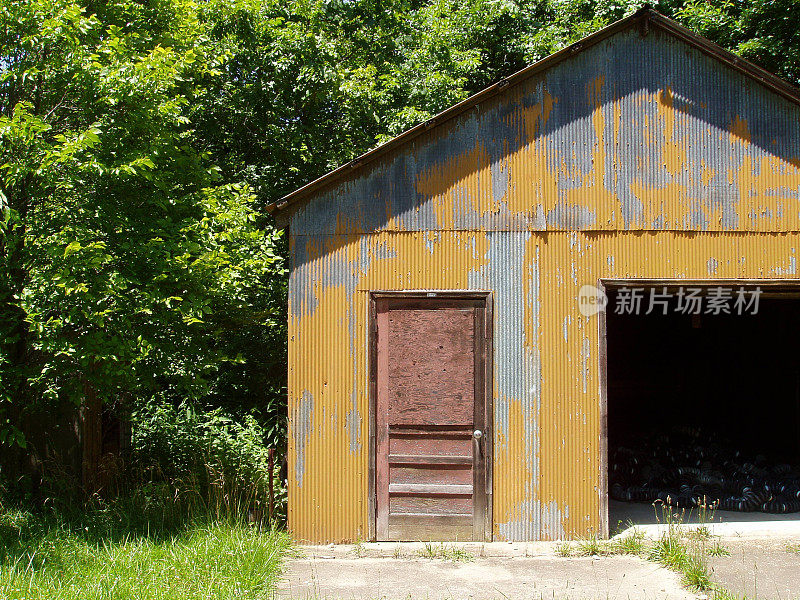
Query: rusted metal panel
(645, 20)
(329, 358)
(637, 158)
(547, 480)
(635, 133)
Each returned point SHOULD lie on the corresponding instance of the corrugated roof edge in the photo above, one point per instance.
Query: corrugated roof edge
(644, 18)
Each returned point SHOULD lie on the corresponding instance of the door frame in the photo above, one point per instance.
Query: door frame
(484, 350)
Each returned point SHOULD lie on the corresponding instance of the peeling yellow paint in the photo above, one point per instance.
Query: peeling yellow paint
(707, 174)
(331, 504)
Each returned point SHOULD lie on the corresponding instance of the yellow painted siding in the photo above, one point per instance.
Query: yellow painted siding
(547, 457)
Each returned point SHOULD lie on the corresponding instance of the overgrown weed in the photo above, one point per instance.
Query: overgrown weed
(444, 551)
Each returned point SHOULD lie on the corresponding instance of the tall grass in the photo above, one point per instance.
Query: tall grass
(680, 552)
(109, 555)
(672, 552)
(184, 515)
(206, 462)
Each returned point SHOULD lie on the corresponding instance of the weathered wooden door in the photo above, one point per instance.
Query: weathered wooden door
(432, 444)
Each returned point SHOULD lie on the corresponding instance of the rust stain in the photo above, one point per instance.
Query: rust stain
(561, 477)
(740, 132)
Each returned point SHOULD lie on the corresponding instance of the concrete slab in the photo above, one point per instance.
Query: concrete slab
(736, 531)
(764, 560)
(414, 549)
(621, 515)
(765, 569)
(504, 571)
(727, 524)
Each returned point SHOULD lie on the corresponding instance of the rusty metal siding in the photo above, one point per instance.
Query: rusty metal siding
(546, 382)
(634, 133)
(640, 158)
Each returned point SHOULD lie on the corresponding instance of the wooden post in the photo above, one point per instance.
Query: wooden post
(271, 487)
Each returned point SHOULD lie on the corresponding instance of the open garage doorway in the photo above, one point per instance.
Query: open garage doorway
(703, 403)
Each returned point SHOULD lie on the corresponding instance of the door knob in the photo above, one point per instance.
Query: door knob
(477, 434)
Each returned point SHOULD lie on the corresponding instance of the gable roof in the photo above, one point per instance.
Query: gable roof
(645, 19)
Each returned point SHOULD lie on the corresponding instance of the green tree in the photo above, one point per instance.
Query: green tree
(126, 260)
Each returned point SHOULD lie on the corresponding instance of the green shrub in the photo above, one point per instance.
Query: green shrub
(202, 460)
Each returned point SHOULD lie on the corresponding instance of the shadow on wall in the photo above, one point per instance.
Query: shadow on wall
(579, 146)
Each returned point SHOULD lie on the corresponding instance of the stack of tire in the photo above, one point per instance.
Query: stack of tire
(685, 470)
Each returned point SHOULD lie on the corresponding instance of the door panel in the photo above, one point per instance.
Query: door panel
(431, 366)
(414, 444)
(430, 470)
(435, 474)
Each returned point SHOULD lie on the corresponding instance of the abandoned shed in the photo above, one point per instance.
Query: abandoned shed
(451, 373)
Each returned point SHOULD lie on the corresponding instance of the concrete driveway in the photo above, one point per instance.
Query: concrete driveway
(495, 570)
(762, 569)
(764, 560)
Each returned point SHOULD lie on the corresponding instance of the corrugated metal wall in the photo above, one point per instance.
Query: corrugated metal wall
(638, 158)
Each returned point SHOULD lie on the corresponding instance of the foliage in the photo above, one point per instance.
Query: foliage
(206, 460)
(308, 86)
(47, 557)
(129, 266)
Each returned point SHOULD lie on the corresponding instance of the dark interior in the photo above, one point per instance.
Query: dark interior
(729, 382)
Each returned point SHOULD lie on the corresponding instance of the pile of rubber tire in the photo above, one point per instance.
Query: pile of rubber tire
(686, 469)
